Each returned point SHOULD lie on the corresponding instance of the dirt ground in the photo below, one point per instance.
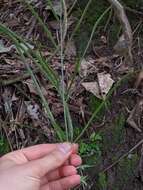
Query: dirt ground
(116, 159)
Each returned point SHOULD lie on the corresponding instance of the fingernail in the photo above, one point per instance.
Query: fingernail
(65, 148)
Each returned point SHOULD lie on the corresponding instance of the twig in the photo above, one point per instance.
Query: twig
(5, 82)
(123, 156)
(126, 27)
(134, 11)
(117, 161)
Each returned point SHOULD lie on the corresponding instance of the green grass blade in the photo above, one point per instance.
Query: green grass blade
(126, 77)
(47, 70)
(67, 116)
(80, 20)
(94, 29)
(37, 58)
(73, 5)
(78, 63)
(20, 50)
(47, 31)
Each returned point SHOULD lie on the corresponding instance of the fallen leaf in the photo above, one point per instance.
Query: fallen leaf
(92, 87)
(32, 87)
(101, 88)
(105, 83)
(135, 117)
(87, 67)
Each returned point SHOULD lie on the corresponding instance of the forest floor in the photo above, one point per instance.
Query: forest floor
(111, 147)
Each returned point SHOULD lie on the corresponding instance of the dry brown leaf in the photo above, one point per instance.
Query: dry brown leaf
(92, 87)
(105, 83)
(135, 117)
(87, 67)
(32, 87)
(101, 88)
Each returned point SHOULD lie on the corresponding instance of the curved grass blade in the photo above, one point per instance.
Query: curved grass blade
(126, 77)
(94, 29)
(80, 20)
(20, 50)
(37, 58)
(77, 66)
(47, 31)
(67, 116)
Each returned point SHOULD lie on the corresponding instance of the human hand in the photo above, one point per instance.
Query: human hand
(41, 167)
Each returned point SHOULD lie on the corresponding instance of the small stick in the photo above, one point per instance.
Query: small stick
(117, 161)
(123, 156)
(5, 82)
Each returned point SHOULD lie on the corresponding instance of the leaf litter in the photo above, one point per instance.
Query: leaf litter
(97, 75)
(101, 87)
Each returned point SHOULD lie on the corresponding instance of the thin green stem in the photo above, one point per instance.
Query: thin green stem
(126, 77)
(88, 44)
(93, 30)
(80, 20)
(47, 31)
(20, 50)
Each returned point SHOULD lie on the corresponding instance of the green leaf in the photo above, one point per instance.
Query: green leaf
(102, 181)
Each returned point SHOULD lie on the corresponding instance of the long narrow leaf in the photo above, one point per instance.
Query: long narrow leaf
(102, 104)
(20, 51)
(47, 31)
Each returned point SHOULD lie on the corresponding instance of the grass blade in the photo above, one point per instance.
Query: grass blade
(80, 20)
(47, 31)
(93, 30)
(20, 50)
(126, 77)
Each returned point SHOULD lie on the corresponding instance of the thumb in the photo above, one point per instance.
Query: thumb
(52, 161)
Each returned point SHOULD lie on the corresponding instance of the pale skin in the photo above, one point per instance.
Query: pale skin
(41, 167)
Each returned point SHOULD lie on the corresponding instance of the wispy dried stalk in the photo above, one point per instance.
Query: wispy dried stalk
(124, 45)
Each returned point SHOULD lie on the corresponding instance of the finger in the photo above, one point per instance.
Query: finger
(75, 148)
(75, 151)
(64, 171)
(63, 184)
(75, 160)
(39, 151)
(54, 160)
(33, 153)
